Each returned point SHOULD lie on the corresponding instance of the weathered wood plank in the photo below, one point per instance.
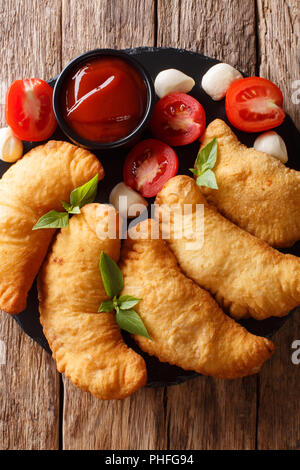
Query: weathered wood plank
(279, 407)
(137, 422)
(224, 29)
(279, 44)
(112, 24)
(29, 384)
(211, 414)
(205, 413)
(29, 393)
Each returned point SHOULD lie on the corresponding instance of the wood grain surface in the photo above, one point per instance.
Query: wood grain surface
(29, 383)
(278, 417)
(110, 425)
(200, 26)
(279, 46)
(38, 38)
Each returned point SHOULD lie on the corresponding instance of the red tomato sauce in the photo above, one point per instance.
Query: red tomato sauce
(104, 99)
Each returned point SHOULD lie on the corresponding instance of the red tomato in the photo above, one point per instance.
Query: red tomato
(178, 119)
(28, 109)
(254, 104)
(149, 165)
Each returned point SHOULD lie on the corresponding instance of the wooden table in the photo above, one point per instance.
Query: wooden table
(38, 408)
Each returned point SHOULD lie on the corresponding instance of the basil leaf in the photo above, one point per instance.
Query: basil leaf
(207, 156)
(115, 302)
(74, 210)
(106, 306)
(208, 179)
(66, 206)
(111, 275)
(85, 193)
(52, 219)
(69, 208)
(130, 321)
(126, 302)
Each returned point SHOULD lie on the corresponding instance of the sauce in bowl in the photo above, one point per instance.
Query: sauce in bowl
(104, 99)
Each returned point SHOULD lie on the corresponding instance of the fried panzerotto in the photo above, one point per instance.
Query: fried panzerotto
(87, 346)
(256, 191)
(245, 274)
(186, 325)
(30, 188)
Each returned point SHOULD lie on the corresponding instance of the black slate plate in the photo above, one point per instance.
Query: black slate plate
(195, 65)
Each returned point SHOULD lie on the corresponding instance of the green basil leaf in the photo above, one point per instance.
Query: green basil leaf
(126, 302)
(66, 206)
(208, 179)
(111, 275)
(52, 219)
(69, 208)
(74, 210)
(106, 306)
(194, 171)
(130, 321)
(207, 156)
(85, 193)
(115, 302)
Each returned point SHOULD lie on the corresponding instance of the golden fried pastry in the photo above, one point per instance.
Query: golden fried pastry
(245, 274)
(186, 325)
(256, 191)
(87, 346)
(30, 188)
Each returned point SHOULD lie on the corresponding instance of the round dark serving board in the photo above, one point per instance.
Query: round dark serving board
(195, 65)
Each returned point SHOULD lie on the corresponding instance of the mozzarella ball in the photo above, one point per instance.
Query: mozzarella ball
(172, 81)
(218, 79)
(11, 148)
(271, 143)
(128, 202)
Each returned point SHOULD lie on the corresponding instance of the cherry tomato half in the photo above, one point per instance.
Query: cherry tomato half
(28, 109)
(178, 119)
(149, 165)
(254, 104)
